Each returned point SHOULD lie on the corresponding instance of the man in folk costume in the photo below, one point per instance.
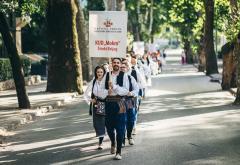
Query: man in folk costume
(135, 72)
(131, 102)
(115, 118)
(141, 81)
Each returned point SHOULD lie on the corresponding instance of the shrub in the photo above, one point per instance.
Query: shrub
(6, 69)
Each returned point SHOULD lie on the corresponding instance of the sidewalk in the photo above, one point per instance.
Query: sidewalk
(42, 102)
(218, 77)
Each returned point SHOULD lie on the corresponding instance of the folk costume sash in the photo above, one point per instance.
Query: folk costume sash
(120, 100)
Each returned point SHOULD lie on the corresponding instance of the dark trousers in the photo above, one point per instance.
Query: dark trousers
(130, 121)
(131, 118)
(115, 121)
(139, 100)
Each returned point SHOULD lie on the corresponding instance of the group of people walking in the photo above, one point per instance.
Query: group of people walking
(115, 95)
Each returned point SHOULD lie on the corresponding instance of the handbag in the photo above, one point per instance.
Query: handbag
(100, 108)
(90, 108)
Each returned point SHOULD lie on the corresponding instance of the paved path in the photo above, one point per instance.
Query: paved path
(185, 119)
(41, 102)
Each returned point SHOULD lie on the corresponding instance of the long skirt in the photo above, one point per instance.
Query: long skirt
(99, 124)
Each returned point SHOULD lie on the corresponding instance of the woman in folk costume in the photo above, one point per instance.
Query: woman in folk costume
(95, 94)
(146, 62)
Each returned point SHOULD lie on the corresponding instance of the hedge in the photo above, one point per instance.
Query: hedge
(6, 69)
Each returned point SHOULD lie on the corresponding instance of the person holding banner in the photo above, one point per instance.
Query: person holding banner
(118, 89)
(108, 38)
(96, 94)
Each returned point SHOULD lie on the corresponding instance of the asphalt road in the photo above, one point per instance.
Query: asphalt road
(184, 120)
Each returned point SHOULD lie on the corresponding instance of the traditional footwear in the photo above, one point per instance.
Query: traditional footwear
(134, 132)
(113, 150)
(118, 157)
(100, 147)
(131, 141)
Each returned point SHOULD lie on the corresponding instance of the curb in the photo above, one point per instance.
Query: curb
(216, 78)
(31, 115)
(233, 92)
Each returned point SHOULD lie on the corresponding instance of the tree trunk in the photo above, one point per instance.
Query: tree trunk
(23, 101)
(136, 32)
(113, 5)
(83, 45)
(110, 5)
(229, 67)
(64, 71)
(211, 59)
(202, 60)
(237, 55)
(234, 7)
(137, 36)
(236, 50)
(138, 19)
(150, 21)
(135, 25)
(201, 56)
(189, 54)
(121, 6)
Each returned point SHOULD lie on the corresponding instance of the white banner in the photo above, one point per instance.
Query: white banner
(152, 48)
(138, 48)
(107, 33)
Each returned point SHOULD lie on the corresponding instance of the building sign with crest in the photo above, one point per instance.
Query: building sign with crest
(107, 33)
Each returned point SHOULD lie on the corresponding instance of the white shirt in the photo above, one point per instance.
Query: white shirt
(141, 81)
(117, 90)
(98, 90)
(146, 68)
(135, 87)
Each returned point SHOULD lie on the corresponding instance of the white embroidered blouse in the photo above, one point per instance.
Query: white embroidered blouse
(98, 90)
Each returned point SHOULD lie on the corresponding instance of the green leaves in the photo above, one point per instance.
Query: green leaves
(7, 6)
(24, 7)
(232, 24)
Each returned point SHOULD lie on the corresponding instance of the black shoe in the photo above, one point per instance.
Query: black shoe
(100, 147)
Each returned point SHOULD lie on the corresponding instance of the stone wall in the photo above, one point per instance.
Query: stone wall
(30, 80)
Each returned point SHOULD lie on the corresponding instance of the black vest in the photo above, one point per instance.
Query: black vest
(130, 83)
(119, 80)
(134, 73)
(148, 62)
